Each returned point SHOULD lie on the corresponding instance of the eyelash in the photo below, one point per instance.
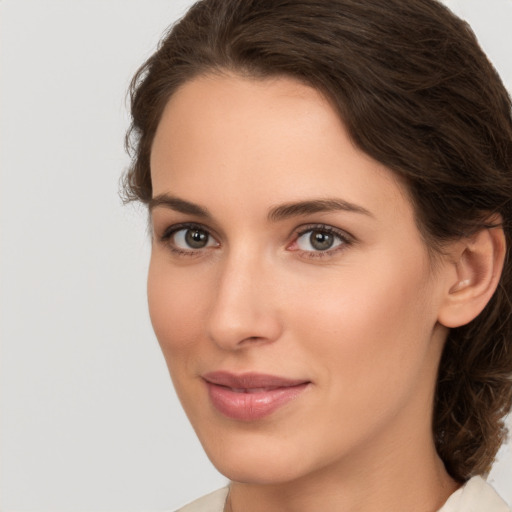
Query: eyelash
(172, 230)
(345, 239)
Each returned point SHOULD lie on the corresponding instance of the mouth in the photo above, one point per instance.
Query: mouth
(251, 396)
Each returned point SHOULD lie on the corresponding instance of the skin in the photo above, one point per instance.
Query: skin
(360, 321)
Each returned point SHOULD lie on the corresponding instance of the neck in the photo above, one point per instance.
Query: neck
(364, 490)
(401, 473)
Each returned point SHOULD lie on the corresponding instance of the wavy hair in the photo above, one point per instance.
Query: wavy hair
(416, 93)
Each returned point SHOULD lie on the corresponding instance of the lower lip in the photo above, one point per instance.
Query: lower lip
(251, 406)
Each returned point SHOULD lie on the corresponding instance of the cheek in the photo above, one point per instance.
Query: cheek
(369, 330)
(174, 307)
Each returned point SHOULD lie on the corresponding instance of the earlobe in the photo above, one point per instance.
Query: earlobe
(477, 264)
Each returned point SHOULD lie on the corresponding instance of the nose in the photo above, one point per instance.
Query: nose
(244, 311)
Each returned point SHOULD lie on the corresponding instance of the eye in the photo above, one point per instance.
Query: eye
(192, 238)
(188, 238)
(316, 240)
(320, 239)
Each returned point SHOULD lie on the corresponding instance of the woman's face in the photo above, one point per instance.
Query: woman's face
(289, 287)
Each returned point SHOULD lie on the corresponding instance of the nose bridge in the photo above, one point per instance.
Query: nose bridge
(242, 310)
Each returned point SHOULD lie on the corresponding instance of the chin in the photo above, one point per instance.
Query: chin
(261, 472)
(257, 460)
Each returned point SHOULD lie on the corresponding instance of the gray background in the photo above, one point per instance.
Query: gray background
(89, 420)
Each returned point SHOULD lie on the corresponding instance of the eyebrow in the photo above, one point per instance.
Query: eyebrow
(276, 213)
(178, 205)
(288, 210)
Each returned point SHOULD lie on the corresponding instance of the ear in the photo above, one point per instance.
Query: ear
(473, 274)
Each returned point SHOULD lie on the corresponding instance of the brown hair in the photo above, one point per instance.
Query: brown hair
(416, 93)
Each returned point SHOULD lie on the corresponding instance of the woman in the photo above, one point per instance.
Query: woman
(329, 186)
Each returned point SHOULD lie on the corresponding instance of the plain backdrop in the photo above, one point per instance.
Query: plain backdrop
(89, 420)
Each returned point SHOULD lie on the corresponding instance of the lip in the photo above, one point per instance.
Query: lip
(251, 396)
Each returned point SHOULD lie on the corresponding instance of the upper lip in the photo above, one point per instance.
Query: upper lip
(250, 380)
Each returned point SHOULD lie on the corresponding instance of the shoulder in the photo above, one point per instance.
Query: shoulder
(475, 496)
(213, 502)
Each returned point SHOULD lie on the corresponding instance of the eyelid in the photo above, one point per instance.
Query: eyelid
(173, 228)
(346, 238)
(169, 231)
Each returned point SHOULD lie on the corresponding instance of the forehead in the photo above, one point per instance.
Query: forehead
(228, 137)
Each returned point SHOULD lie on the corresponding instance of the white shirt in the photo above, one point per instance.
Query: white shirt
(475, 496)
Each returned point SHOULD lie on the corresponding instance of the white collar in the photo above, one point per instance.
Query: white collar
(475, 496)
